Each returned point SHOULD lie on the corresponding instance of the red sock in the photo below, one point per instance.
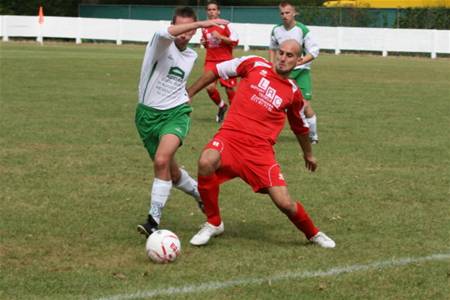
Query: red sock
(230, 94)
(303, 222)
(215, 96)
(208, 187)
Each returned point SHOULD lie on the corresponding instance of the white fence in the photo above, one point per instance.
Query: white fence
(338, 39)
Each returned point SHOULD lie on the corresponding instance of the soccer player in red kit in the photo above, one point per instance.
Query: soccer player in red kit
(219, 42)
(243, 146)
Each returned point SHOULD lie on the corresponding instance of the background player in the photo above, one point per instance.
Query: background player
(163, 114)
(291, 29)
(263, 99)
(219, 42)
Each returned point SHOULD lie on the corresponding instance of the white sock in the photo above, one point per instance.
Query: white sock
(160, 194)
(312, 122)
(222, 103)
(188, 184)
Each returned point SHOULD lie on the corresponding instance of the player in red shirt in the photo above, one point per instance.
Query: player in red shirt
(219, 42)
(243, 146)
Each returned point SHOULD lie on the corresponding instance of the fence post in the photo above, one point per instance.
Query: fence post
(40, 38)
(119, 33)
(384, 51)
(246, 31)
(337, 49)
(78, 37)
(433, 43)
(5, 31)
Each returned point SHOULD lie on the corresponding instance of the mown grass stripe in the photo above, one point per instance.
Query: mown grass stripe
(217, 285)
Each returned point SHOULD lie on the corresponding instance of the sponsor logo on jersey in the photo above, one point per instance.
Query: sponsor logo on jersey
(264, 83)
(267, 94)
(176, 72)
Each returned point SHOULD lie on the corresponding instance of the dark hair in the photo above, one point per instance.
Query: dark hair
(213, 2)
(284, 3)
(185, 12)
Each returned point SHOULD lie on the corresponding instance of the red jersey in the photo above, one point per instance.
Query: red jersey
(216, 49)
(262, 100)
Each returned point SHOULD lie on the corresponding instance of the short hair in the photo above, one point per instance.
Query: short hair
(184, 12)
(213, 2)
(286, 3)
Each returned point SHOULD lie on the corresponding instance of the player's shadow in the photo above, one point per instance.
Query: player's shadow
(287, 138)
(266, 232)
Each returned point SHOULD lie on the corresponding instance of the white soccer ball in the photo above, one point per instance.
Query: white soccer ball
(163, 246)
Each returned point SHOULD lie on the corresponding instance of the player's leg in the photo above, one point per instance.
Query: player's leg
(162, 182)
(303, 79)
(229, 85)
(162, 133)
(184, 182)
(230, 94)
(298, 216)
(214, 94)
(208, 186)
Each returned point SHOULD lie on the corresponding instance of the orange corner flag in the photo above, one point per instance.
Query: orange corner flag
(41, 15)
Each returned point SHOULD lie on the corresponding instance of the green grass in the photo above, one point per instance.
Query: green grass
(75, 181)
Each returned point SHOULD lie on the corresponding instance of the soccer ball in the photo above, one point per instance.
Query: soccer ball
(163, 246)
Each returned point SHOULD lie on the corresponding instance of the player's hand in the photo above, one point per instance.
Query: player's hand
(216, 35)
(310, 163)
(214, 22)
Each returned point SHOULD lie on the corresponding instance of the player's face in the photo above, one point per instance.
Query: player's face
(287, 58)
(183, 39)
(212, 11)
(287, 14)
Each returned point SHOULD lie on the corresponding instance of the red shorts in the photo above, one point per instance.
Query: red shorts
(246, 157)
(229, 83)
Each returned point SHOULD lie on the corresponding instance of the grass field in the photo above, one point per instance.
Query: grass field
(75, 180)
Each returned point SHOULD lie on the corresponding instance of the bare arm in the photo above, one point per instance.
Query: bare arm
(306, 59)
(272, 56)
(310, 161)
(178, 29)
(223, 38)
(207, 78)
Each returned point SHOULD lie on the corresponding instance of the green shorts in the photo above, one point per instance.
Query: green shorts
(152, 124)
(303, 79)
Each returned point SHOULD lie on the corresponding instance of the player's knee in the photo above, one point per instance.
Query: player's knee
(161, 162)
(210, 89)
(205, 166)
(287, 207)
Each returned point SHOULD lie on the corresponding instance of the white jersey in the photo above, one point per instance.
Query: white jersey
(164, 72)
(299, 33)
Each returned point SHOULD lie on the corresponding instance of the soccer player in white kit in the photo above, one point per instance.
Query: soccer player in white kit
(291, 29)
(163, 112)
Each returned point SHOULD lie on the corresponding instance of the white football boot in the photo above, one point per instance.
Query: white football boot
(323, 240)
(206, 233)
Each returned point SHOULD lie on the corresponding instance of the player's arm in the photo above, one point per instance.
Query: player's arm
(297, 122)
(312, 49)
(225, 70)
(207, 78)
(305, 144)
(273, 46)
(232, 39)
(178, 29)
(272, 54)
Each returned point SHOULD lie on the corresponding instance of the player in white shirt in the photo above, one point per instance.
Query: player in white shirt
(163, 112)
(291, 29)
